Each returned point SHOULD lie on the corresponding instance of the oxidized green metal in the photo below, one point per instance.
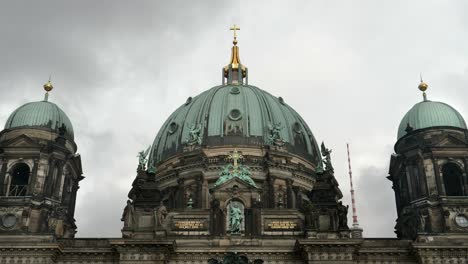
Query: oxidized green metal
(230, 171)
(430, 114)
(235, 170)
(235, 115)
(40, 114)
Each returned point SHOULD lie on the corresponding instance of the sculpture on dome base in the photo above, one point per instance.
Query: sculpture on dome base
(275, 138)
(194, 137)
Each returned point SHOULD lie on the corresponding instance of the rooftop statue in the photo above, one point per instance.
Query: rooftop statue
(142, 158)
(326, 153)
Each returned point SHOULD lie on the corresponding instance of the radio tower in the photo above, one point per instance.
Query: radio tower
(356, 231)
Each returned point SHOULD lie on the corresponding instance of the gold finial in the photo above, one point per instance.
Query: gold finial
(48, 86)
(423, 87)
(235, 28)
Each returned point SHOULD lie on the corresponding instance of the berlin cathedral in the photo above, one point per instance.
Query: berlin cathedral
(234, 175)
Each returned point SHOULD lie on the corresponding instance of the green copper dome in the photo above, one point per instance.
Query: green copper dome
(40, 114)
(240, 115)
(430, 114)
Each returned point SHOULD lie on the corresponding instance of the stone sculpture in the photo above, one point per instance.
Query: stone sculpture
(236, 218)
(235, 170)
(194, 137)
(326, 153)
(142, 158)
(275, 138)
(128, 215)
(160, 215)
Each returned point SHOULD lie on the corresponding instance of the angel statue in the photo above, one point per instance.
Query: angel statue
(142, 158)
(275, 138)
(326, 153)
(194, 135)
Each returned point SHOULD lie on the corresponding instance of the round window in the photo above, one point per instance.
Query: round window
(235, 90)
(9, 220)
(235, 114)
(173, 127)
(461, 220)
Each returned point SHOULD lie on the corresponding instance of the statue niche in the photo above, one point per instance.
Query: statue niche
(235, 217)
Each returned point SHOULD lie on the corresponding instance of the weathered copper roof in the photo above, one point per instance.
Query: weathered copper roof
(427, 114)
(234, 115)
(40, 114)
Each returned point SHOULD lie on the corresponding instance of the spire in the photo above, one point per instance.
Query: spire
(235, 72)
(423, 87)
(356, 231)
(47, 87)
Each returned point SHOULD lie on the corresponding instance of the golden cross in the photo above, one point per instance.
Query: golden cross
(235, 28)
(235, 156)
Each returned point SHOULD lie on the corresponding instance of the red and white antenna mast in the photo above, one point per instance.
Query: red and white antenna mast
(356, 231)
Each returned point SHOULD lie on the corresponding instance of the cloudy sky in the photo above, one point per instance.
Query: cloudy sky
(350, 68)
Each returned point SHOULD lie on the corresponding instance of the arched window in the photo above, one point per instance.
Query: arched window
(19, 180)
(452, 177)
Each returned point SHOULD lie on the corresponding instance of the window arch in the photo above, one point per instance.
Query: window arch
(19, 180)
(452, 177)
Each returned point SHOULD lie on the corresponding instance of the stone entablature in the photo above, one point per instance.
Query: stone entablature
(30, 249)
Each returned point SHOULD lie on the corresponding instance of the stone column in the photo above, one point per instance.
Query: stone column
(2, 176)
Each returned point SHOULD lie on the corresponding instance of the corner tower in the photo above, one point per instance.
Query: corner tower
(429, 171)
(39, 171)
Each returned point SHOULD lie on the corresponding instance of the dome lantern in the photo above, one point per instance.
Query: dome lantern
(234, 73)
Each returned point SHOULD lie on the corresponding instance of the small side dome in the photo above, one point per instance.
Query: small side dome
(430, 114)
(43, 114)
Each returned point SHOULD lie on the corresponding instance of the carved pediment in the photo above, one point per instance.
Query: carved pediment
(21, 141)
(234, 183)
(450, 141)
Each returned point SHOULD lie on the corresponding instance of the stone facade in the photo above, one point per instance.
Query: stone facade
(225, 196)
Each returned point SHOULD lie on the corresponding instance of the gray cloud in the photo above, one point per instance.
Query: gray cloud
(120, 68)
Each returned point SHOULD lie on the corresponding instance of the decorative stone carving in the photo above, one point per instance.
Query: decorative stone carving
(234, 258)
(326, 153)
(235, 170)
(408, 223)
(274, 138)
(343, 216)
(128, 216)
(142, 158)
(194, 137)
(160, 214)
(235, 217)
